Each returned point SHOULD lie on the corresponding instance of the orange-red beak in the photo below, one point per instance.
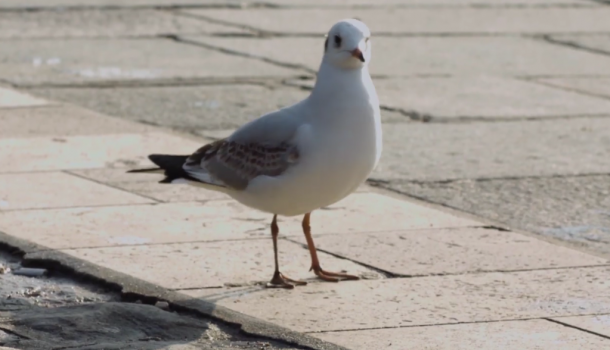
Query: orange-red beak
(358, 54)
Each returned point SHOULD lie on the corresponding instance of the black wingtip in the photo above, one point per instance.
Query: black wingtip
(148, 170)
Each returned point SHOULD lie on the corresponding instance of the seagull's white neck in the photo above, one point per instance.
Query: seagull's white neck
(336, 84)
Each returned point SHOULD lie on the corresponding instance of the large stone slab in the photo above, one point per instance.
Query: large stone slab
(426, 300)
(20, 4)
(574, 209)
(12, 98)
(523, 335)
(148, 185)
(449, 251)
(64, 61)
(212, 264)
(430, 152)
(103, 23)
(91, 151)
(413, 56)
(598, 86)
(595, 42)
(61, 120)
(599, 324)
(184, 107)
(53, 189)
(452, 20)
(481, 97)
(214, 220)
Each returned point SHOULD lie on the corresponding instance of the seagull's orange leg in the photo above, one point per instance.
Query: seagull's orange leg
(315, 263)
(279, 280)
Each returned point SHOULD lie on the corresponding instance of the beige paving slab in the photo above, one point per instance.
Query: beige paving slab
(428, 300)
(18, 4)
(598, 324)
(11, 98)
(452, 20)
(425, 252)
(599, 86)
(103, 23)
(65, 61)
(441, 151)
(55, 189)
(91, 151)
(212, 264)
(61, 120)
(482, 97)
(213, 220)
(522, 335)
(148, 185)
(141, 224)
(413, 56)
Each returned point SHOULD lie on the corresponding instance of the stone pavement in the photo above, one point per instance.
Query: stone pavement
(487, 223)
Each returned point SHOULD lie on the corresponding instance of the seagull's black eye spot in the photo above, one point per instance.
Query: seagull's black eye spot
(337, 41)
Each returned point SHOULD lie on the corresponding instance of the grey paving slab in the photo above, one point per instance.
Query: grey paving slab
(599, 324)
(86, 61)
(432, 3)
(11, 98)
(599, 42)
(436, 20)
(412, 56)
(185, 107)
(43, 189)
(213, 264)
(429, 252)
(483, 97)
(400, 302)
(61, 120)
(523, 335)
(430, 152)
(103, 23)
(599, 86)
(574, 209)
(21, 4)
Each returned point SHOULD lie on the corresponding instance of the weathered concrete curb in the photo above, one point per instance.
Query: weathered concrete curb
(35, 255)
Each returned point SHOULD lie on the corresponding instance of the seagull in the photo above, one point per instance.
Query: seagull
(302, 157)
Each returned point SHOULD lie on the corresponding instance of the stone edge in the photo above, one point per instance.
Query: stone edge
(35, 255)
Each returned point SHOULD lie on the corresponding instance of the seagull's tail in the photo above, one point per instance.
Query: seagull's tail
(169, 165)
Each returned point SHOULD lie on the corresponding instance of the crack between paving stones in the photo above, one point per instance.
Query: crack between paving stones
(81, 207)
(547, 38)
(576, 327)
(68, 172)
(570, 89)
(445, 324)
(382, 182)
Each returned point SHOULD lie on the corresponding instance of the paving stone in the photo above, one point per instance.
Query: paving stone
(450, 251)
(20, 4)
(430, 3)
(11, 98)
(431, 152)
(148, 185)
(598, 86)
(214, 220)
(185, 107)
(103, 23)
(212, 264)
(52, 190)
(418, 56)
(599, 324)
(91, 151)
(64, 61)
(523, 335)
(420, 20)
(597, 42)
(480, 97)
(400, 302)
(141, 224)
(61, 120)
(573, 209)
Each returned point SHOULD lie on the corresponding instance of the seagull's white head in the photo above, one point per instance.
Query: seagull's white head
(348, 44)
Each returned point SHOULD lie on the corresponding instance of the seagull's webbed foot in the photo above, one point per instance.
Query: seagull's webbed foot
(332, 276)
(279, 280)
